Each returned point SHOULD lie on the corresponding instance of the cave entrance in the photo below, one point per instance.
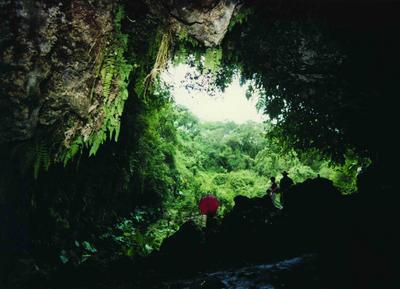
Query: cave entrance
(100, 179)
(222, 144)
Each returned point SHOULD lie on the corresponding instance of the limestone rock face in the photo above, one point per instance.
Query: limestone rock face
(205, 20)
(51, 51)
(47, 56)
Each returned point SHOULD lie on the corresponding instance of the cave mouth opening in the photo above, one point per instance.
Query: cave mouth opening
(233, 158)
(323, 81)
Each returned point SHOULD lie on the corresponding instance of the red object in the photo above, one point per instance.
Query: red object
(208, 205)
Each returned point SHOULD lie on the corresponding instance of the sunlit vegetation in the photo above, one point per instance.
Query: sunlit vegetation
(220, 158)
(227, 159)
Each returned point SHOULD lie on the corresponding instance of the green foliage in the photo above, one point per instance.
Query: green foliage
(114, 73)
(227, 159)
(75, 147)
(295, 66)
(240, 17)
(344, 176)
(212, 59)
(129, 239)
(93, 194)
(114, 77)
(79, 253)
(34, 156)
(184, 38)
(311, 77)
(42, 157)
(184, 47)
(107, 73)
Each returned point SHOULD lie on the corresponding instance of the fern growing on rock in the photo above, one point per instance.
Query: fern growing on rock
(42, 157)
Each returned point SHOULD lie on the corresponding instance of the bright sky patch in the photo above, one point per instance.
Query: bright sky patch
(230, 105)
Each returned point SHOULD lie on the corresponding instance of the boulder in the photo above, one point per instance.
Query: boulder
(183, 251)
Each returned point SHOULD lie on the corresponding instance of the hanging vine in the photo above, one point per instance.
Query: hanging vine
(163, 55)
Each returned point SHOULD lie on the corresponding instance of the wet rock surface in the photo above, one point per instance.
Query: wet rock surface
(299, 272)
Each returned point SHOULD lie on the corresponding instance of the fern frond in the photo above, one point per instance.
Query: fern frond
(42, 157)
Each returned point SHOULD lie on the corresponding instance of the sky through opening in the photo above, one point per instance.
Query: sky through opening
(230, 105)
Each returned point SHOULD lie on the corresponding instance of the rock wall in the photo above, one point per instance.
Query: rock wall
(49, 53)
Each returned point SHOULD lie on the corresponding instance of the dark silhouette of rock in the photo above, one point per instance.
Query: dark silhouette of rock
(183, 251)
(370, 250)
(187, 238)
(353, 237)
